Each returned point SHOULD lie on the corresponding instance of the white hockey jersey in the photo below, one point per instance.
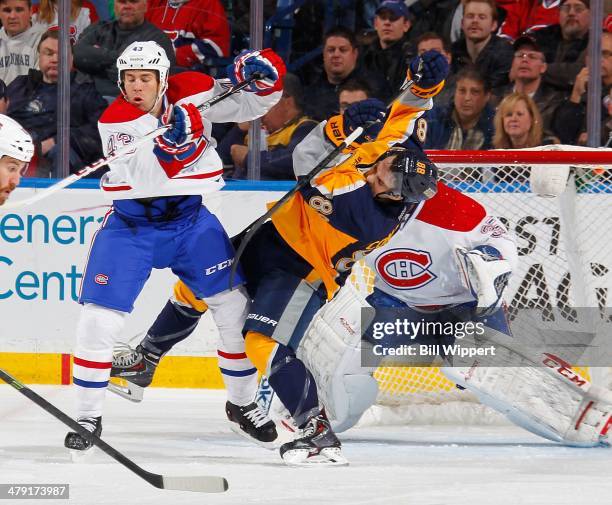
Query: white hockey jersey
(140, 174)
(418, 266)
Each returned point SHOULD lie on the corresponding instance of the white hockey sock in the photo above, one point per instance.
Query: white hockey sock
(97, 331)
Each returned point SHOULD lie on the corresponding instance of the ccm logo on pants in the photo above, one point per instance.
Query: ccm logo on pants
(221, 266)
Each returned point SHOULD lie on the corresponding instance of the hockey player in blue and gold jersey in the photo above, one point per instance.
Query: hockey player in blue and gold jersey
(298, 260)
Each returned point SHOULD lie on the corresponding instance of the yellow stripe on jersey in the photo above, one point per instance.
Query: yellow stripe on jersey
(184, 296)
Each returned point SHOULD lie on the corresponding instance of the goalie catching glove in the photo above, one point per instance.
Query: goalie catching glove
(485, 273)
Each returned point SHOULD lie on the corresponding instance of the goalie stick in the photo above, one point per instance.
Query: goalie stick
(201, 483)
(250, 230)
(128, 149)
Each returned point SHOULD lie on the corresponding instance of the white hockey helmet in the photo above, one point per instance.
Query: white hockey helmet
(146, 55)
(14, 140)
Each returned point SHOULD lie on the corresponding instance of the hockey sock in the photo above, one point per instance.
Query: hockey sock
(173, 324)
(294, 385)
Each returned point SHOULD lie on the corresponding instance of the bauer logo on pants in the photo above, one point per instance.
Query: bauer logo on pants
(405, 268)
(101, 279)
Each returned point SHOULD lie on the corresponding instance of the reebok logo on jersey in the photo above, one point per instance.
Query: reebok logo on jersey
(219, 266)
(262, 319)
(405, 268)
(101, 279)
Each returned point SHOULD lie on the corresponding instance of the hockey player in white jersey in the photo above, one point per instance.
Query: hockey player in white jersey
(451, 262)
(16, 151)
(158, 221)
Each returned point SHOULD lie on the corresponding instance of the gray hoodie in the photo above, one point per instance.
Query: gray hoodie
(18, 54)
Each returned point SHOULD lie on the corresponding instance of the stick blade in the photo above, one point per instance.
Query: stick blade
(200, 484)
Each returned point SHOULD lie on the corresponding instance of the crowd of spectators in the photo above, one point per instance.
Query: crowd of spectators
(518, 78)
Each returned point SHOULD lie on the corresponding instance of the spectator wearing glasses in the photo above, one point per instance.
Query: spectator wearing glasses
(526, 76)
(565, 45)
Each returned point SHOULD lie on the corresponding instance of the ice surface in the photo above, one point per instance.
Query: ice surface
(184, 432)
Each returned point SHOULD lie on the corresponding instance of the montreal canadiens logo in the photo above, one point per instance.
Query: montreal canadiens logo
(101, 279)
(405, 268)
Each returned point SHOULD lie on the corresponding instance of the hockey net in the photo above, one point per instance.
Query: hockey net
(564, 261)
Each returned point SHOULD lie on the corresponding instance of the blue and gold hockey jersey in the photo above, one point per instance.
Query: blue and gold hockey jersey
(335, 220)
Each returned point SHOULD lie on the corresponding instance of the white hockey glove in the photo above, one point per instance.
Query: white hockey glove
(485, 273)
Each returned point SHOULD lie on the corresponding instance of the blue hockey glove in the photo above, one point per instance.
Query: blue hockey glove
(360, 114)
(432, 66)
(187, 126)
(266, 63)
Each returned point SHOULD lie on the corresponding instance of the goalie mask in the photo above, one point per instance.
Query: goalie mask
(144, 56)
(412, 177)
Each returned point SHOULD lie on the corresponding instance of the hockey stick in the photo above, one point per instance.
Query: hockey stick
(255, 225)
(250, 230)
(128, 149)
(202, 483)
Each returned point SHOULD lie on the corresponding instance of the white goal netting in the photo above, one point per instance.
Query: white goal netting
(564, 258)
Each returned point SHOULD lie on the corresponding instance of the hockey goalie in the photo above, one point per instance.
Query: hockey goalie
(450, 262)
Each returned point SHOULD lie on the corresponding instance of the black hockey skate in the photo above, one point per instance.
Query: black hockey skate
(253, 423)
(317, 445)
(76, 441)
(136, 367)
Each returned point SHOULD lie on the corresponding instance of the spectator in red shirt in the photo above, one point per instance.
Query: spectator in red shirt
(198, 29)
(527, 16)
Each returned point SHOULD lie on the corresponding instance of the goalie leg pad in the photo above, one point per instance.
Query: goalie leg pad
(331, 351)
(548, 399)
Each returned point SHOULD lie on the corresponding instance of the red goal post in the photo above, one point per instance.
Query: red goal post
(565, 257)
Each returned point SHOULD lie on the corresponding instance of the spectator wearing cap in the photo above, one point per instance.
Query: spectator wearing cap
(432, 41)
(391, 52)
(479, 46)
(526, 76)
(33, 103)
(285, 125)
(565, 45)
(340, 64)
(18, 39)
(3, 98)
(527, 16)
(570, 117)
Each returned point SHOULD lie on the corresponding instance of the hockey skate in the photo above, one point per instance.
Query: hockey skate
(252, 423)
(79, 446)
(134, 368)
(317, 445)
